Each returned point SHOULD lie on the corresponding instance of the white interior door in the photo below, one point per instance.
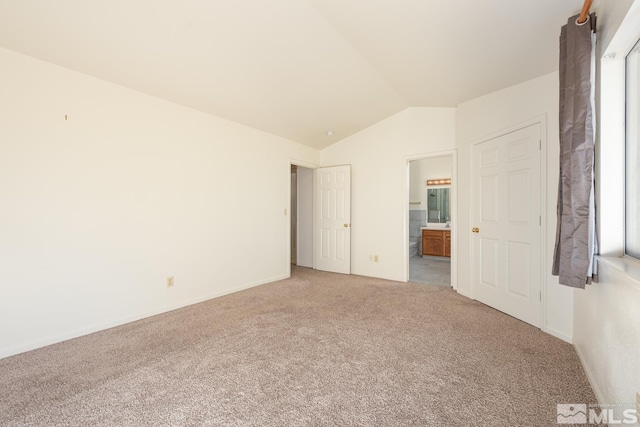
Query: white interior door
(332, 214)
(506, 223)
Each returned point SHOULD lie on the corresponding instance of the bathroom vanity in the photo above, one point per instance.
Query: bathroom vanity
(436, 242)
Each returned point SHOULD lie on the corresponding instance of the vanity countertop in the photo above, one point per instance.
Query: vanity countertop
(435, 228)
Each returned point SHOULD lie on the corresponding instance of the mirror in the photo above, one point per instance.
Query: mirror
(438, 205)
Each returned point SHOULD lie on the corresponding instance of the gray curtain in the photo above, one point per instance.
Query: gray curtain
(576, 243)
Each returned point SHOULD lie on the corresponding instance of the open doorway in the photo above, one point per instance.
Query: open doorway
(320, 222)
(301, 235)
(431, 218)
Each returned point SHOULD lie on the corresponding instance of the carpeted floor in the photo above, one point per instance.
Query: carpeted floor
(316, 349)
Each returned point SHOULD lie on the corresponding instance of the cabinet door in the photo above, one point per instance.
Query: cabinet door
(447, 243)
(432, 243)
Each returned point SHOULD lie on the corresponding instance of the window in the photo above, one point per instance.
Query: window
(632, 153)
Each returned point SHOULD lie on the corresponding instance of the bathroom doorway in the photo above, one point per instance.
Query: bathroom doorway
(430, 231)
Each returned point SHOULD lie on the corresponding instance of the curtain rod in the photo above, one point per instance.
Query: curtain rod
(585, 11)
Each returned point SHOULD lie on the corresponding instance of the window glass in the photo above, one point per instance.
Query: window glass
(632, 154)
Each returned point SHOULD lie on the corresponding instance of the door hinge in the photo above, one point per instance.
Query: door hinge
(540, 220)
(540, 295)
(540, 144)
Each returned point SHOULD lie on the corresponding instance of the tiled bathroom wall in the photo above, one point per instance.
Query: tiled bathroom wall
(417, 219)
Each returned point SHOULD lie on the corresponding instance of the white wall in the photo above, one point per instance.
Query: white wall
(305, 217)
(488, 115)
(607, 335)
(606, 314)
(378, 156)
(99, 209)
(420, 172)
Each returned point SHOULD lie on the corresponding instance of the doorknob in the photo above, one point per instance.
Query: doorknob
(475, 229)
(346, 226)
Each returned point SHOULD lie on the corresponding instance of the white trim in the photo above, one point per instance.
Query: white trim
(542, 118)
(454, 211)
(611, 175)
(610, 167)
(542, 121)
(590, 377)
(558, 334)
(303, 164)
(544, 253)
(626, 266)
(611, 109)
(626, 35)
(117, 322)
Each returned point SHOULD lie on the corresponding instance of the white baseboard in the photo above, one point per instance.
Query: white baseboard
(128, 319)
(378, 276)
(464, 293)
(590, 377)
(558, 334)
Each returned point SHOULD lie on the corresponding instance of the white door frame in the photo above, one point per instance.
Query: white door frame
(287, 210)
(542, 120)
(454, 210)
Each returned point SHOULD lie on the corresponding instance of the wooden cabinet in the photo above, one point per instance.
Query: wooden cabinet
(436, 242)
(432, 242)
(447, 243)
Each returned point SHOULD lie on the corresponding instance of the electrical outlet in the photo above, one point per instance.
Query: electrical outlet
(170, 282)
(373, 258)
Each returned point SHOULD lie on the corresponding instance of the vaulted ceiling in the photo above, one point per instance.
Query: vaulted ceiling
(296, 68)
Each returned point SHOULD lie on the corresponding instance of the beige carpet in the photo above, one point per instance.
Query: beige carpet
(317, 349)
